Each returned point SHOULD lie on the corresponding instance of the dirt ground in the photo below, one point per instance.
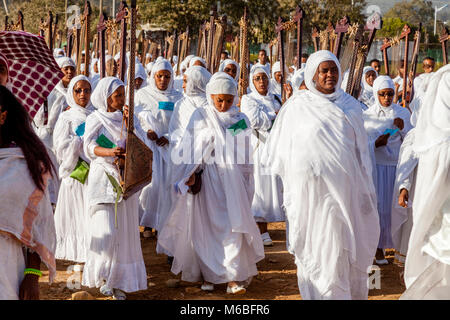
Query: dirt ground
(277, 279)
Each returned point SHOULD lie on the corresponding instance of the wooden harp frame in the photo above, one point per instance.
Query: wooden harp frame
(137, 171)
(388, 44)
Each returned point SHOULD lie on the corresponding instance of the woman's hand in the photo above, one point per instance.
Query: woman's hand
(29, 288)
(191, 180)
(152, 135)
(288, 90)
(398, 122)
(403, 198)
(162, 141)
(125, 112)
(117, 152)
(382, 140)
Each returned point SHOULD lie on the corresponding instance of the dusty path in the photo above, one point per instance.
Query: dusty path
(277, 279)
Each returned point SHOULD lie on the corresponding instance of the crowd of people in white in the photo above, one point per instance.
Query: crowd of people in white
(350, 177)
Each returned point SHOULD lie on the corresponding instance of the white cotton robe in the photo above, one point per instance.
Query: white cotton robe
(261, 112)
(115, 254)
(427, 268)
(71, 216)
(318, 146)
(402, 218)
(376, 120)
(154, 199)
(212, 234)
(26, 220)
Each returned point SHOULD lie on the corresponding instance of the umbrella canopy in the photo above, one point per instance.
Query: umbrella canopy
(33, 71)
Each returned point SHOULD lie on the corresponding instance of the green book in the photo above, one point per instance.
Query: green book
(238, 127)
(104, 142)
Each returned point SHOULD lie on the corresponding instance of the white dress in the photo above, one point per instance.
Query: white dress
(154, 200)
(402, 218)
(26, 220)
(212, 235)
(268, 197)
(376, 120)
(56, 102)
(115, 254)
(71, 216)
(319, 149)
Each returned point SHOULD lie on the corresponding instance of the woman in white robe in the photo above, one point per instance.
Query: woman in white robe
(27, 230)
(197, 61)
(261, 107)
(56, 102)
(368, 77)
(154, 108)
(381, 116)
(275, 81)
(231, 68)
(71, 217)
(427, 268)
(114, 260)
(213, 236)
(319, 148)
(195, 81)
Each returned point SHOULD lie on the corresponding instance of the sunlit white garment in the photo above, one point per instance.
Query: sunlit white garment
(115, 254)
(376, 120)
(12, 263)
(212, 235)
(318, 146)
(154, 109)
(261, 112)
(56, 103)
(71, 218)
(26, 220)
(427, 268)
(402, 218)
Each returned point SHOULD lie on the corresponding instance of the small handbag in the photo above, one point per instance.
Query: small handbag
(81, 171)
(197, 186)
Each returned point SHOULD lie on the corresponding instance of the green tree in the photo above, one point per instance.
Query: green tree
(412, 13)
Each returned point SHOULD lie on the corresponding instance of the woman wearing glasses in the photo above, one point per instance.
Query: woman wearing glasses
(261, 107)
(386, 124)
(71, 213)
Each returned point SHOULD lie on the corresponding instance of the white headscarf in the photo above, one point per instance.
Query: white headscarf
(170, 93)
(194, 59)
(188, 59)
(197, 79)
(222, 83)
(140, 72)
(297, 79)
(257, 69)
(380, 83)
(366, 94)
(276, 67)
(91, 69)
(275, 86)
(69, 96)
(58, 53)
(226, 62)
(65, 62)
(149, 67)
(365, 85)
(105, 88)
(310, 70)
(433, 124)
